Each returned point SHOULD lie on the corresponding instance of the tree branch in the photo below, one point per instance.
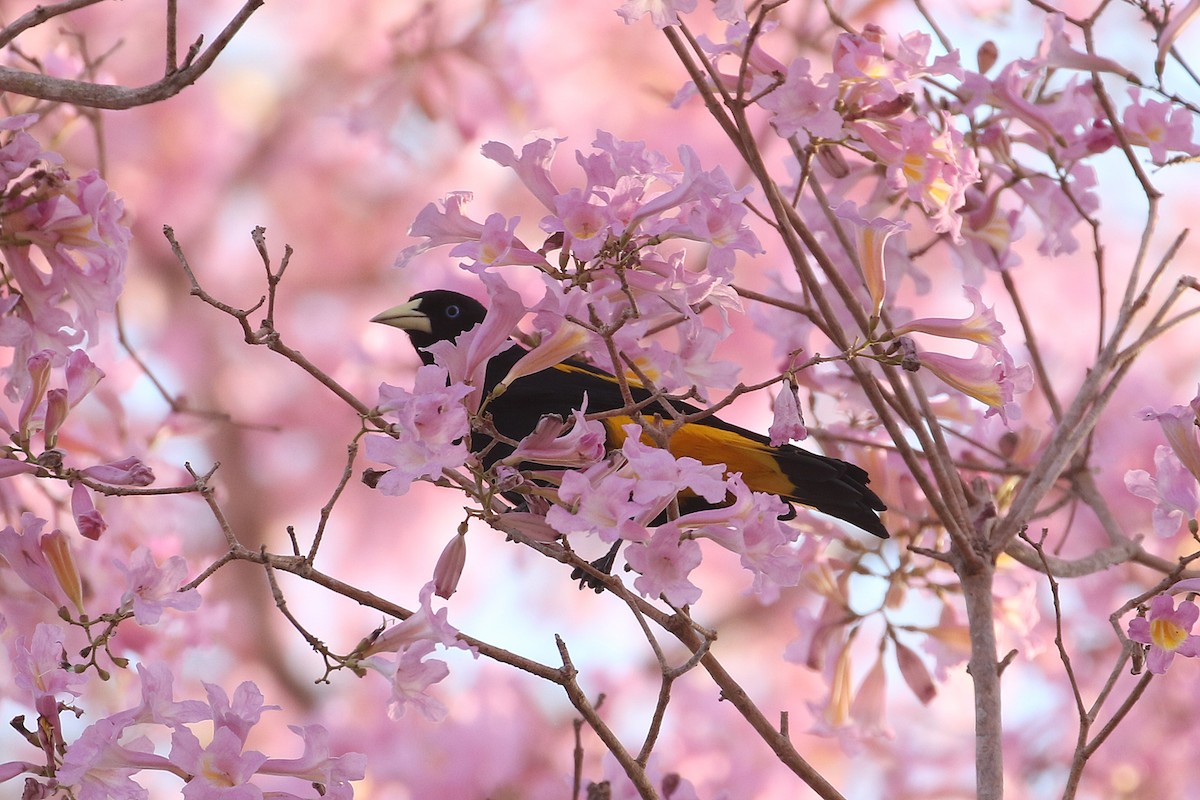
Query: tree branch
(109, 96)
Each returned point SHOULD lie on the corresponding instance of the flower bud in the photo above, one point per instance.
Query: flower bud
(450, 565)
(90, 523)
(38, 365)
(126, 472)
(56, 415)
(56, 547)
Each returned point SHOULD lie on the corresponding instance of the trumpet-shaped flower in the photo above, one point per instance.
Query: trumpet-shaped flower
(1173, 491)
(1167, 632)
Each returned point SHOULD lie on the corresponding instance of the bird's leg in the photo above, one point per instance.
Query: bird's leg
(603, 564)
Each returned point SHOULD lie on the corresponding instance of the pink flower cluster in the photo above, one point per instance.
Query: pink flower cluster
(64, 251)
(410, 671)
(103, 760)
(1174, 490)
(430, 426)
(610, 234)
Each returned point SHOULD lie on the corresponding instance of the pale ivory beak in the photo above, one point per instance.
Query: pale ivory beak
(406, 317)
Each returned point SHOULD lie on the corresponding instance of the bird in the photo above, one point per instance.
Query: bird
(795, 475)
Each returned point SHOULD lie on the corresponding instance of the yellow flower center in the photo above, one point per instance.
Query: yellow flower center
(1167, 634)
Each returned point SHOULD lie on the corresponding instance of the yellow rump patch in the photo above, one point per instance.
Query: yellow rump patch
(708, 445)
(581, 369)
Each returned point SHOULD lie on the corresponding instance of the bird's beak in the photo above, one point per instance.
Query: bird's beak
(405, 316)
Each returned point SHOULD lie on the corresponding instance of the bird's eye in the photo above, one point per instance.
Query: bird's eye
(452, 312)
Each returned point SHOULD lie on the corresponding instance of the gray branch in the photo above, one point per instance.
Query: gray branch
(100, 95)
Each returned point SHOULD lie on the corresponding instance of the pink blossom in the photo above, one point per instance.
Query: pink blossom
(695, 184)
(158, 704)
(949, 642)
(430, 426)
(57, 407)
(616, 500)
(126, 472)
(20, 151)
(56, 548)
(933, 167)
(597, 501)
(1173, 491)
(718, 223)
(696, 360)
(240, 715)
(1056, 51)
(585, 223)
(1179, 20)
(1008, 92)
(527, 524)
(38, 365)
(102, 767)
(804, 108)
(12, 466)
(1167, 632)
(80, 232)
(149, 589)
(532, 167)
(38, 666)
(659, 475)
(465, 359)
(874, 83)
(663, 13)
(1179, 426)
(868, 76)
(1057, 212)
(871, 237)
(867, 709)
(1185, 585)
(663, 565)
(411, 678)
(622, 157)
(980, 327)
(915, 674)
(818, 634)
(788, 422)
(832, 714)
(424, 624)
(439, 228)
(583, 444)
(750, 526)
(989, 232)
(82, 376)
(11, 769)
(87, 518)
(1159, 126)
(449, 567)
(220, 770)
(330, 774)
(767, 547)
(990, 381)
(567, 340)
(497, 246)
(26, 554)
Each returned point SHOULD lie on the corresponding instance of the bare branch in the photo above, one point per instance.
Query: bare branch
(109, 96)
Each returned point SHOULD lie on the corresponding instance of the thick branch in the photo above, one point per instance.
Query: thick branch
(103, 95)
(985, 673)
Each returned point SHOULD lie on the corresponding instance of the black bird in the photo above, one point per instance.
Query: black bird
(795, 475)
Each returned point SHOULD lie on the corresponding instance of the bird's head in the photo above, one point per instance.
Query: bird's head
(438, 315)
